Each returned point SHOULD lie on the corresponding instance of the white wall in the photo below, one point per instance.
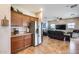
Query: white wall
(5, 31)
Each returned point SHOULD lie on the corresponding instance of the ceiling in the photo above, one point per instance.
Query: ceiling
(52, 11)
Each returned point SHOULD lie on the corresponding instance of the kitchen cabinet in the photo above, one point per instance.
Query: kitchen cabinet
(17, 43)
(16, 19)
(32, 18)
(26, 20)
(27, 40)
(20, 42)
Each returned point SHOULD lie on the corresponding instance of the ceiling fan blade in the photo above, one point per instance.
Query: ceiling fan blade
(73, 6)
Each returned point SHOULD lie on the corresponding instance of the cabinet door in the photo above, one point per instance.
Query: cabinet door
(20, 19)
(32, 18)
(17, 43)
(36, 19)
(28, 40)
(26, 20)
(16, 19)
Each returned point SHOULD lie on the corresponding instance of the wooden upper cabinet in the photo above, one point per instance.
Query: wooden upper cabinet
(26, 20)
(13, 18)
(33, 19)
(36, 19)
(20, 20)
(16, 19)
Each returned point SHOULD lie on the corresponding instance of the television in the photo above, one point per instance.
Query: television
(61, 27)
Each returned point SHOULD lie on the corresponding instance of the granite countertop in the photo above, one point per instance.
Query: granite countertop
(20, 34)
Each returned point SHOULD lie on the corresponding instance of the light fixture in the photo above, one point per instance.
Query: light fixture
(60, 18)
(41, 9)
(72, 6)
(57, 19)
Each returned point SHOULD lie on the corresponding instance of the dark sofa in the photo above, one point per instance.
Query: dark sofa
(45, 33)
(58, 35)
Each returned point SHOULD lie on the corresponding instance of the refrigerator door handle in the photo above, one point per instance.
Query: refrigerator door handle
(37, 31)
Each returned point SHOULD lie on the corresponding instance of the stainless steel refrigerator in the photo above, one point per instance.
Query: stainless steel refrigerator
(36, 30)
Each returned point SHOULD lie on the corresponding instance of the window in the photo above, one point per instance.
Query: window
(71, 25)
(52, 25)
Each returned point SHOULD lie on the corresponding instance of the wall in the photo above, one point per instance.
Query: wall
(5, 31)
(66, 21)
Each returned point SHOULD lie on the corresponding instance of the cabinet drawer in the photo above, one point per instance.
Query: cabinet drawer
(27, 36)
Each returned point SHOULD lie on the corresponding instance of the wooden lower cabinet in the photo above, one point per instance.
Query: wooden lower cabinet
(27, 40)
(20, 42)
(17, 43)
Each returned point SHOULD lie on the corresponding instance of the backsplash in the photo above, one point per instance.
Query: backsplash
(20, 29)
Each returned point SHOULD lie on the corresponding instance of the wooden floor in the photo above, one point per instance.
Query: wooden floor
(74, 46)
(49, 46)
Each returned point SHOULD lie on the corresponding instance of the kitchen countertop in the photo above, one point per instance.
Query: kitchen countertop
(20, 34)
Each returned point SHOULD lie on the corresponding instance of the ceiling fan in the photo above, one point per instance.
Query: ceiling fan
(59, 18)
(72, 6)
